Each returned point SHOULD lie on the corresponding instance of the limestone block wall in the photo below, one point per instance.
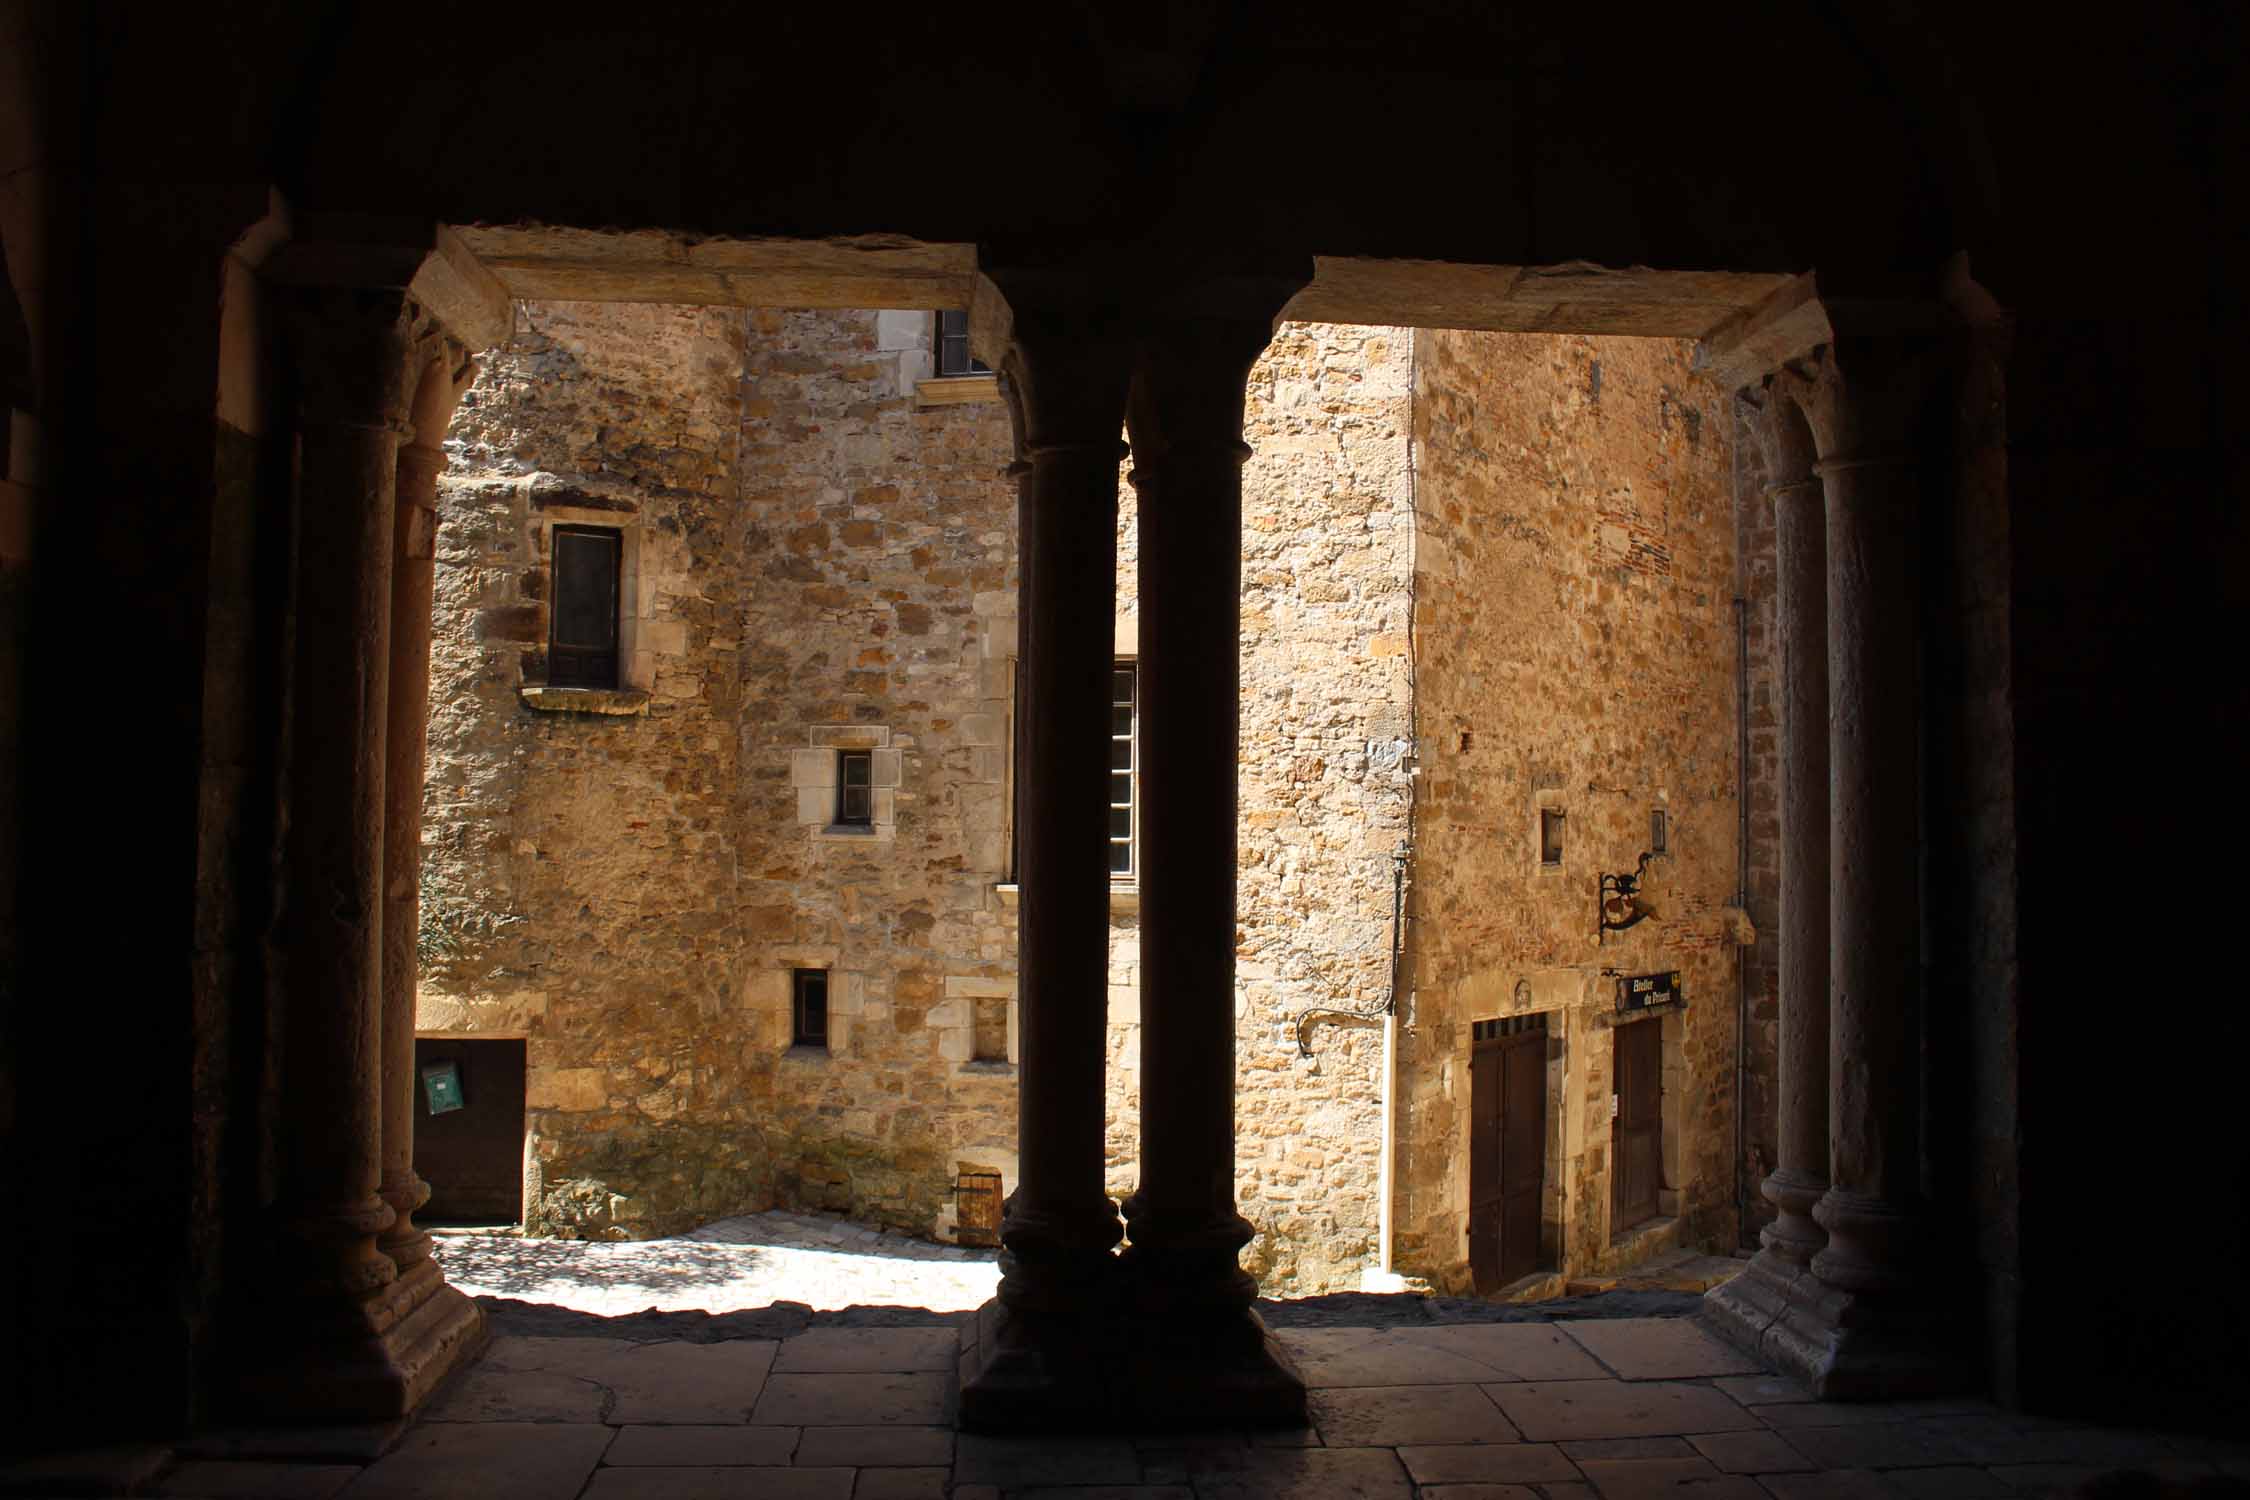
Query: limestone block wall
(1575, 648)
(878, 557)
(581, 883)
(1325, 796)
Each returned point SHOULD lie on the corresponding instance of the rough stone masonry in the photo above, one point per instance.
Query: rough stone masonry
(817, 557)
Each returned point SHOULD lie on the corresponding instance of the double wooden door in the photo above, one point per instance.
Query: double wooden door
(1637, 1131)
(1507, 1149)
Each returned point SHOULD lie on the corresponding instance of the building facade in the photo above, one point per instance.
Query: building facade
(741, 911)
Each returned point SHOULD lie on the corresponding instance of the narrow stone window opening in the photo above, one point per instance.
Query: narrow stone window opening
(809, 1008)
(1550, 836)
(1659, 832)
(855, 788)
(582, 630)
(1123, 771)
(990, 1019)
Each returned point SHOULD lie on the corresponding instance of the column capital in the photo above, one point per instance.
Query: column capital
(1785, 442)
(1867, 399)
(359, 354)
(420, 258)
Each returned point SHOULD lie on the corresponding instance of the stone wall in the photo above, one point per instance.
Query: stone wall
(582, 871)
(1574, 642)
(1755, 586)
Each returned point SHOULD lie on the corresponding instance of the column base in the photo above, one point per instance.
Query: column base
(1131, 1375)
(368, 1361)
(1840, 1345)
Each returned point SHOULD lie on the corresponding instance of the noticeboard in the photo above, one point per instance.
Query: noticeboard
(441, 1082)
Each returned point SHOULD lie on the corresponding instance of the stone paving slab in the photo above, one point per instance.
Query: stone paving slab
(1512, 1351)
(1386, 1416)
(688, 1383)
(1659, 1348)
(1485, 1492)
(1651, 1478)
(855, 1350)
(691, 1447)
(1750, 1452)
(1014, 1462)
(901, 1484)
(244, 1479)
(872, 1400)
(877, 1447)
(1495, 1463)
(1378, 1356)
(490, 1460)
(1843, 1484)
(717, 1484)
(1555, 1411)
(1303, 1474)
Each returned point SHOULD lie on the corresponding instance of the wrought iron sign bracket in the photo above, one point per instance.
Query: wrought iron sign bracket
(1619, 904)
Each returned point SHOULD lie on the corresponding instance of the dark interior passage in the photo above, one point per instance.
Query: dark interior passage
(468, 1129)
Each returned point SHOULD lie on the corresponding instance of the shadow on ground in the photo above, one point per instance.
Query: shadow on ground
(784, 1320)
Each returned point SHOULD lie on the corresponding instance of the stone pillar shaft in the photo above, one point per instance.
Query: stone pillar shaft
(1059, 1215)
(1800, 1173)
(414, 564)
(1874, 516)
(331, 1131)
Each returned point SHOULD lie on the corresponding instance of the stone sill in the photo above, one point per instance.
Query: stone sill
(804, 1054)
(956, 390)
(1624, 1017)
(856, 833)
(990, 1069)
(609, 702)
(1122, 896)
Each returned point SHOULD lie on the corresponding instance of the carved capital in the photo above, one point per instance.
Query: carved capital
(1784, 441)
(358, 355)
(1188, 388)
(1868, 398)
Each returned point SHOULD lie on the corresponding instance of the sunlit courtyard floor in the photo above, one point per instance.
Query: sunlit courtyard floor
(754, 1261)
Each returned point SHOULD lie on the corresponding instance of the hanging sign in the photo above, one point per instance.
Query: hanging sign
(1640, 991)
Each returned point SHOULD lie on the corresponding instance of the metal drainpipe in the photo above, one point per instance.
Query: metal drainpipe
(1742, 847)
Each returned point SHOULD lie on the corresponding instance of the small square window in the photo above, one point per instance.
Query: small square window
(1550, 835)
(808, 1008)
(953, 357)
(855, 788)
(1659, 832)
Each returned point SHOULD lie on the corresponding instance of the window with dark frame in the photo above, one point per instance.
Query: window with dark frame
(809, 1008)
(855, 788)
(1122, 772)
(953, 357)
(582, 632)
(1659, 832)
(1550, 835)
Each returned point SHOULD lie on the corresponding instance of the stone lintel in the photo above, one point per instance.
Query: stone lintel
(860, 271)
(1577, 297)
(425, 260)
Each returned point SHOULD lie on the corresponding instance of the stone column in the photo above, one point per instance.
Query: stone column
(1753, 1309)
(1877, 1326)
(413, 570)
(347, 1339)
(1201, 1354)
(1863, 409)
(1038, 1356)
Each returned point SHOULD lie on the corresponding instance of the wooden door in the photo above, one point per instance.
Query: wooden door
(1523, 1151)
(1637, 1133)
(1507, 1148)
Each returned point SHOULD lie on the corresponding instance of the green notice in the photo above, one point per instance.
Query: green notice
(442, 1082)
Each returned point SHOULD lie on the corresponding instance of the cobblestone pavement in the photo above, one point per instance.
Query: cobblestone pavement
(748, 1262)
(1615, 1409)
